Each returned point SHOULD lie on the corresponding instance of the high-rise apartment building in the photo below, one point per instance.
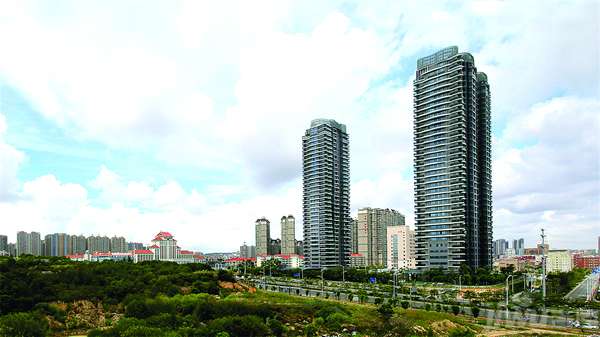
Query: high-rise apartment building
(400, 248)
(371, 233)
(57, 244)
(3, 243)
(78, 244)
(118, 244)
(98, 244)
(519, 246)
(499, 247)
(263, 236)
(453, 201)
(326, 194)
(288, 235)
(28, 243)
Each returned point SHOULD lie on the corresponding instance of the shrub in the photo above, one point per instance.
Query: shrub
(23, 324)
(428, 307)
(475, 311)
(404, 304)
(334, 321)
(455, 309)
(239, 326)
(276, 327)
(310, 330)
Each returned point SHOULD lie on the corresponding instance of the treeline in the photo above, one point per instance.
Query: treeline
(28, 281)
(465, 275)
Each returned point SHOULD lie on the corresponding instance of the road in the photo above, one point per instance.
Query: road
(585, 289)
(490, 314)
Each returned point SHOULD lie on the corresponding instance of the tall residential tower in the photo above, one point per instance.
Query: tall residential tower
(288, 235)
(263, 236)
(326, 194)
(453, 198)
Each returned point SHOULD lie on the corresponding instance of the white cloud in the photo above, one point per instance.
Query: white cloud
(10, 159)
(553, 179)
(206, 85)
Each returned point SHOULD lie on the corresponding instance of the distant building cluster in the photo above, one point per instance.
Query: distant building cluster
(287, 249)
(61, 244)
(98, 248)
(557, 260)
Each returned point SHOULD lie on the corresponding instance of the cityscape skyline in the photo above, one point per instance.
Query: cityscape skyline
(174, 150)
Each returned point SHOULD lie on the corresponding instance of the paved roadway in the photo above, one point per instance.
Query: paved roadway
(490, 314)
(583, 289)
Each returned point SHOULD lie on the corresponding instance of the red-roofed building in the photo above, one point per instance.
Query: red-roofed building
(236, 261)
(166, 247)
(141, 255)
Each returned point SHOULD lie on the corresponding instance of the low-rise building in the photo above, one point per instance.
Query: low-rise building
(234, 262)
(357, 260)
(141, 255)
(586, 261)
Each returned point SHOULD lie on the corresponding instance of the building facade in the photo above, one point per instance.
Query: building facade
(164, 247)
(247, 251)
(586, 261)
(263, 236)
(78, 244)
(559, 261)
(3, 243)
(354, 235)
(28, 243)
(98, 244)
(372, 233)
(326, 194)
(453, 201)
(118, 244)
(519, 246)
(57, 244)
(288, 235)
(400, 248)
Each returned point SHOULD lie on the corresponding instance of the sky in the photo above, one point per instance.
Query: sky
(131, 117)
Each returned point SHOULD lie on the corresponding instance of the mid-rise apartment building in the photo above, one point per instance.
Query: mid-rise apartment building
(371, 233)
(400, 248)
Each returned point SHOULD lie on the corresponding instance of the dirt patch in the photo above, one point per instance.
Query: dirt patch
(85, 314)
(236, 286)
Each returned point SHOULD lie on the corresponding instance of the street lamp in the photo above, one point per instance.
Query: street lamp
(509, 277)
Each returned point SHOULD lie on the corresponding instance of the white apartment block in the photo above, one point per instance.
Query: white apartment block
(559, 261)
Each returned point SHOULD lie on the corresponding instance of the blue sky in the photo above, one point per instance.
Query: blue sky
(133, 117)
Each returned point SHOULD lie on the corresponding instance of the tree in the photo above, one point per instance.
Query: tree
(475, 311)
(23, 325)
(386, 311)
(455, 309)
(404, 304)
